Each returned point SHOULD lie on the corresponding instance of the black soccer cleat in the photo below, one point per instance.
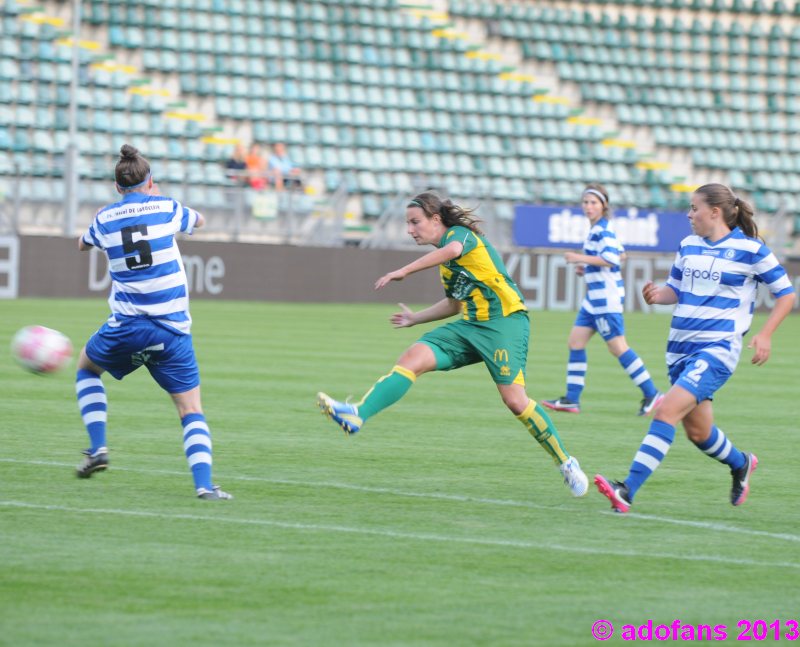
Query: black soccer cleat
(615, 491)
(562, 404)
(92, 463)
(648, 404)
(741, 479)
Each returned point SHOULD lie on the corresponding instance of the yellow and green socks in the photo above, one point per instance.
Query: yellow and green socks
(539, 425)
(386, 391)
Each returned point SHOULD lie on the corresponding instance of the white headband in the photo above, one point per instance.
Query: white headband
(597, 193)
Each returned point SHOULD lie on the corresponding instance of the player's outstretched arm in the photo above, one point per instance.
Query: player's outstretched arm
(431, 259)
(440, 310)
(761, 343)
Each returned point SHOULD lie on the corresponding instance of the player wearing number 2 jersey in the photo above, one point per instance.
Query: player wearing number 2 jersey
(149, 323)
(713, 282)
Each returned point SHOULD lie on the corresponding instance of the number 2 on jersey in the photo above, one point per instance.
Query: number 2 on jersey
(696, 373)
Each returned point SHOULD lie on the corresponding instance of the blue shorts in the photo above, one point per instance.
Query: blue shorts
(169, 356)
(609, 325)
(702, 375)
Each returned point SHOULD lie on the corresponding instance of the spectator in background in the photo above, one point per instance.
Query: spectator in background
(257, 168)
(236, 165)
(281, 165)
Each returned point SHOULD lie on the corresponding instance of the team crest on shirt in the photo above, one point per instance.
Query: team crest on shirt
(729, 253)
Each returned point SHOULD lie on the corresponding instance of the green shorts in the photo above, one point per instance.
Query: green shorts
(502, 344)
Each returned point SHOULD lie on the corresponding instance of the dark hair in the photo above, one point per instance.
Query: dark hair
(451, 214)
(735, 211)
(132, 169)
(594, 186)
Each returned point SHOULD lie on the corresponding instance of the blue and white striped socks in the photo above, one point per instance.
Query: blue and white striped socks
(718, 446)
(576, 374)
(93, 406)
(636, 370)
(652, 451)
(197, 447)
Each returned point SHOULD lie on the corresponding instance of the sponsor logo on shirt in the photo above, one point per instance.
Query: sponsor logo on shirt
(703, 281)
(500, 355)
(462, 287)
(703, 275)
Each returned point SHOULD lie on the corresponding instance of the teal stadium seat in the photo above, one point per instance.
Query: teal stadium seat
(328, 76)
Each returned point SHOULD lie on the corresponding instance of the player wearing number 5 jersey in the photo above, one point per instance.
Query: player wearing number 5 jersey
(149, 323)
(713, 284)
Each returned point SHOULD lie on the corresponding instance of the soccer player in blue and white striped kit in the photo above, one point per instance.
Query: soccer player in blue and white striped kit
(713, 282)
(149, 323)
(601, 309)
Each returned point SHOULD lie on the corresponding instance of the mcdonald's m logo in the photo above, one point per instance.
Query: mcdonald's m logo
(500, 355)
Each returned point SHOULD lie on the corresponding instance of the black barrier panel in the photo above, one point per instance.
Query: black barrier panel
(53, 267)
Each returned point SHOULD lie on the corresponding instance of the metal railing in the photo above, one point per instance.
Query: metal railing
(35, 205)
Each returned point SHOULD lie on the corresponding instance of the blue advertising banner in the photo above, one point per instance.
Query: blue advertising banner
(637, 229)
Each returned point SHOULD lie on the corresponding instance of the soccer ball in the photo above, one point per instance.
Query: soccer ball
(40, 349)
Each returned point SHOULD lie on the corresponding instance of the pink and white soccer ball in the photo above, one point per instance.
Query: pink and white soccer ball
(40, 349)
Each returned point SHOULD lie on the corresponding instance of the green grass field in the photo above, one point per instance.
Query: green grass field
(441, 523)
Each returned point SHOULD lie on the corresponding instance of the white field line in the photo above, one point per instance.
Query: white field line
(703, 525)
(396, 534)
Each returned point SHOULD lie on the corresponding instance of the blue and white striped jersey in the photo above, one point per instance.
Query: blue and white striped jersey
(716, 287)
(605, 291)
(147, 274)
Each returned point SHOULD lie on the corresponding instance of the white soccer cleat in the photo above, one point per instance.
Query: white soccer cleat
(574, 477)
(216, 493)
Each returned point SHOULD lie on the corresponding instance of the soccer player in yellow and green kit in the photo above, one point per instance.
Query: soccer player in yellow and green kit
(493, 328)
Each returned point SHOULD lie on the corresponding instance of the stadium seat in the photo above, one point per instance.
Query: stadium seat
(362, 84)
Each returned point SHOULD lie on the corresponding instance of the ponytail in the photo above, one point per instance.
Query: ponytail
(743, 218)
